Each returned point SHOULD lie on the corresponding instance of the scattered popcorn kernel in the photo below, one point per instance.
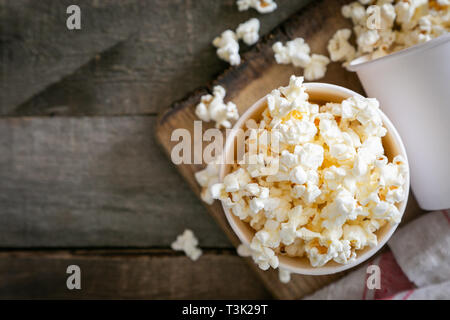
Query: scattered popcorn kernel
(262, 6)
(317, 67)
(248, 31)
(206, 178)
(187, 242)
(213, 108)
(284, 275)
(228, 47)
(295, 51)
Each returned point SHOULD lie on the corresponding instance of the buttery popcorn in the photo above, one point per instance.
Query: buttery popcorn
(228, 47)
(401, 24)
(324, 190)
(248, 31)
(187, 242)
(212, 107)
(297, 52)
(262, 6)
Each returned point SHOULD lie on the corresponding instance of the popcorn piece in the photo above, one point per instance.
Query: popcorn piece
(332, 186)
(388, 16)
(359, 237)
(248, 31)
(264, 257)
(317, 67)
(269, 236)
(284, 275)
(228, 47)
(296, 219)
(407, 12)
(367, 40)
(244, 250)
(187, 242)
(206, 178)
(317, 254)
(212, 107)
(339, 47)
(262, 6)
(354, 11)
(295, 51)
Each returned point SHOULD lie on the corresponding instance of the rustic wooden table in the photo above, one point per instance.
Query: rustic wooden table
(82, 180)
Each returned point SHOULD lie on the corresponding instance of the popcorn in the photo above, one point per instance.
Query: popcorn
(248, 31)
(331, 187)
(388, 16)
(212, 107)
(228, 47)
(206, 178)
(339, 46)
(263, 256)
(317, 67)
(262, 6)
(187, 242)
(407, 12)
(354, 11)
(358, 237)
(295, 51)
(244, 250)
(402, 24)
(284, 275)
(298, 175)
(367, 40)
(296, 219)
(227, 44)
(311, 155)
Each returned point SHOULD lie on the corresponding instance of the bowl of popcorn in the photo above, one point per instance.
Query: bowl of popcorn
(314, 178)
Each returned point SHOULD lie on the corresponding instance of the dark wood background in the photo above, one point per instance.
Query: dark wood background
(82, 180)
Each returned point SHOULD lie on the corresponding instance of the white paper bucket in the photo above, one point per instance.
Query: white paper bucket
(413, 87)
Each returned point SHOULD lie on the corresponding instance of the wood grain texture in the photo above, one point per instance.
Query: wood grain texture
(93, 181)
(245, 84)
(167, 54)
(38, 50)
(127, 274)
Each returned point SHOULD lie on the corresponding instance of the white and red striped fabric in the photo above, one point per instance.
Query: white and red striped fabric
(416, 265)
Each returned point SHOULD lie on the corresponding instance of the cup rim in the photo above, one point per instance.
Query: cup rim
(362, 62)
(323, 270)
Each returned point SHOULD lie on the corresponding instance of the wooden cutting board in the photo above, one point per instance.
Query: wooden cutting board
(257, 75)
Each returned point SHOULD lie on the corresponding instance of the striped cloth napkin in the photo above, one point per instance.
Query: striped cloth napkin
(415, 266)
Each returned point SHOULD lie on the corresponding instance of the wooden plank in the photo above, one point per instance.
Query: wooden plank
(126, 274)
(246, 83)
(38, 49)
(169, 55)
(79, 182)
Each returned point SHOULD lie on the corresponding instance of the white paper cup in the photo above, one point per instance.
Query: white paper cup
(413, 87)
(392, 143)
